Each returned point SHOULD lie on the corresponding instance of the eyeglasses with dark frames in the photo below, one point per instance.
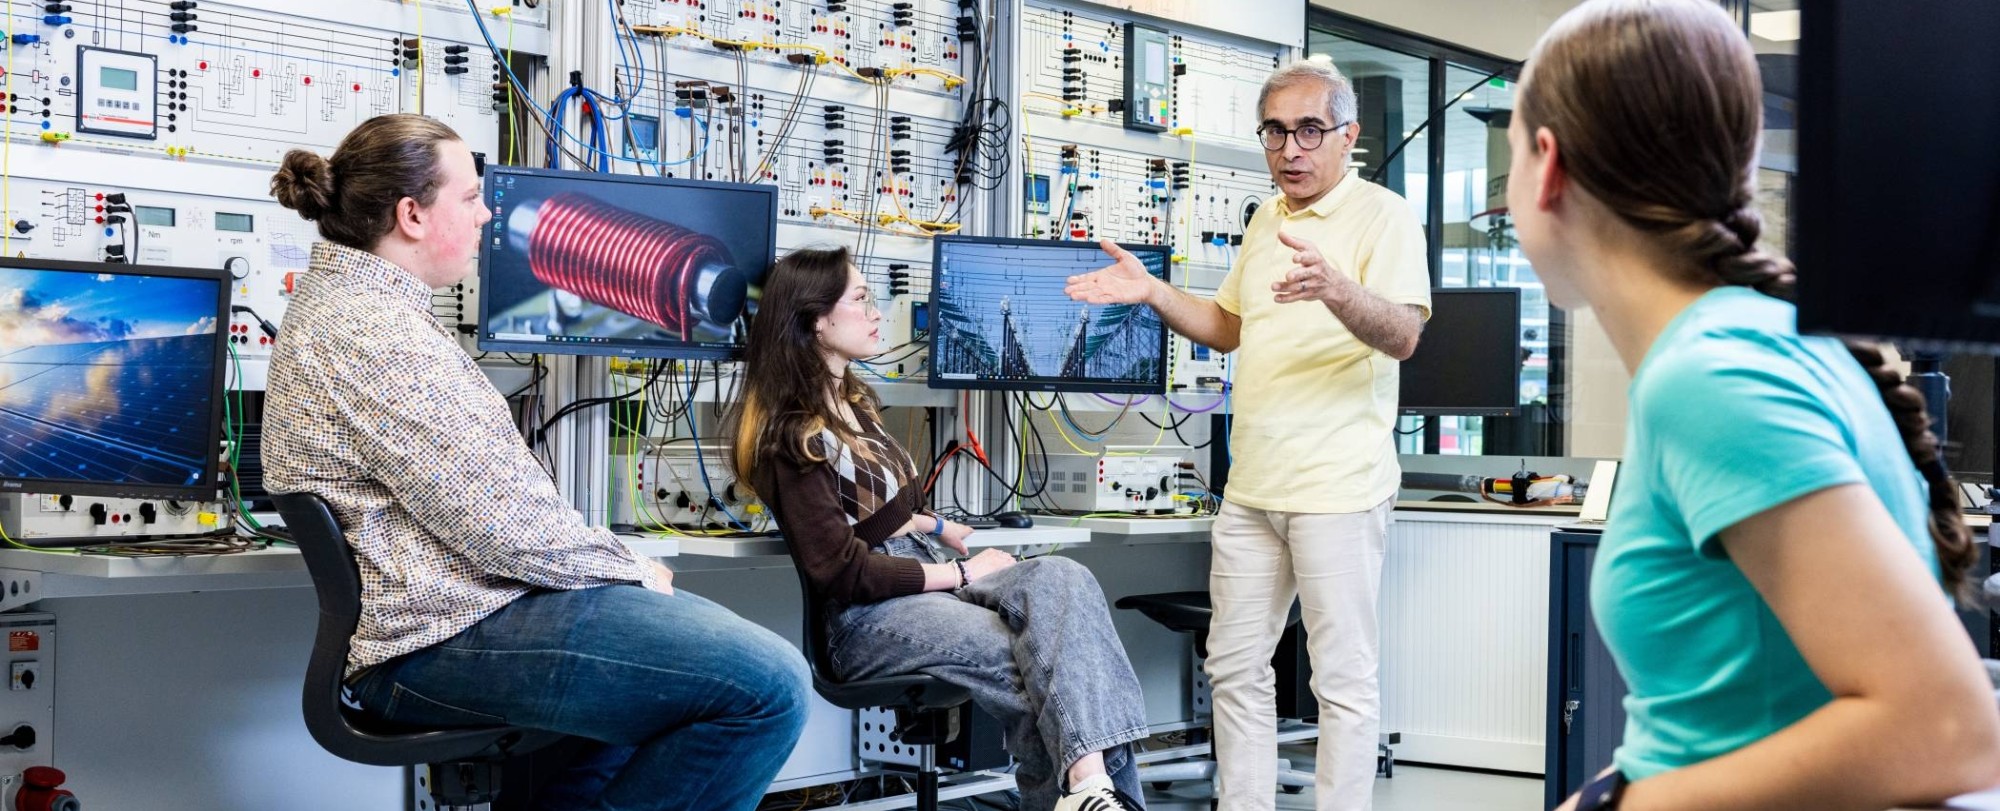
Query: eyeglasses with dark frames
(1309, 137)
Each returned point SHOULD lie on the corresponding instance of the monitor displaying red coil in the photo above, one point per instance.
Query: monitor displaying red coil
(668, 275)
(603, 264)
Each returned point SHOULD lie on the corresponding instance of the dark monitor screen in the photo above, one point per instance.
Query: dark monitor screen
(1898, 193)
(1000, 320)
(1469, 359)
(111, 379)
(598, 264)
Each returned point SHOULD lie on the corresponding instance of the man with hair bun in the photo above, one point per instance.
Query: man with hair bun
(485, 598)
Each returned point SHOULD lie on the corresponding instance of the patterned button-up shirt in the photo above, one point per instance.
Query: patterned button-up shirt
(374, 407)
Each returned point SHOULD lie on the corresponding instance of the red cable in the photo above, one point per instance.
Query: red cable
(972, 439)
(939, 467)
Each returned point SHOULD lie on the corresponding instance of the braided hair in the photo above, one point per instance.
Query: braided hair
(1659, 107)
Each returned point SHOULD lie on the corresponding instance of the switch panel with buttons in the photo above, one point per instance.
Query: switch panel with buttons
(68, 520)
(1123, 479)
(23, 673)
(116, 93)
(675, 492)
(27, 707)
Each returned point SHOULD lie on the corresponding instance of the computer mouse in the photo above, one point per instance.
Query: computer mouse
(1014, 520)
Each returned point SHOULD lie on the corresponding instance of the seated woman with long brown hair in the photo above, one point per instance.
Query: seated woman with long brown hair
(1032, 639)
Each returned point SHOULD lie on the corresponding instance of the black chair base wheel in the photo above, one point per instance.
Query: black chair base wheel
(1292, 789)
(1162, 785)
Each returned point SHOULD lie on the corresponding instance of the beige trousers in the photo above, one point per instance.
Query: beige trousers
(1333, 563)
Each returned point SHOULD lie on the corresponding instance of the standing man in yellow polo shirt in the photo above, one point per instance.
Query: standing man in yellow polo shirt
(1329, 294)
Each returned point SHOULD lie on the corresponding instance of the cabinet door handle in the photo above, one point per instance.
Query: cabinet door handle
(1569, 713)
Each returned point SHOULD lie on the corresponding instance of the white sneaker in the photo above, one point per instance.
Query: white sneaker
(1097, 794)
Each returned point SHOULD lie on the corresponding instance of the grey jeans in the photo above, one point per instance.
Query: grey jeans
(1033, 643)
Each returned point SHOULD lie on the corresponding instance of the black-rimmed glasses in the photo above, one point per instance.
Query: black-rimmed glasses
(1309, 137)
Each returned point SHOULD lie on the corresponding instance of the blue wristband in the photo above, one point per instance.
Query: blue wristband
(1602, 794)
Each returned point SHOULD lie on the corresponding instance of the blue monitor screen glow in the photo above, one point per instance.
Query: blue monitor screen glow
(1000, 320)
(110, 379)
(596, 264)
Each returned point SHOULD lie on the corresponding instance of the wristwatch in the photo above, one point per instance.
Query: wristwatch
(1603, 793)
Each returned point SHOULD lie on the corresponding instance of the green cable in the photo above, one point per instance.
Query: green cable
(232, 423)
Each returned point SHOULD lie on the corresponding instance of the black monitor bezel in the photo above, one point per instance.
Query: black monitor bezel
(210, 486)
(934, 381)
(676, 350)
(1839, 234)
(1476, 411)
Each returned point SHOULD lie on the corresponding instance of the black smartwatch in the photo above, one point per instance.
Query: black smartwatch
(1603, 793)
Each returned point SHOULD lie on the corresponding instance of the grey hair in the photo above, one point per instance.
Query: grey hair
(1315, 68)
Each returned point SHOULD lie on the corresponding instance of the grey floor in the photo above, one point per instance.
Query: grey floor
(1414, 788)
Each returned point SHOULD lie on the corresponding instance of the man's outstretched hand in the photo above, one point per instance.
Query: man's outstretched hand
(1125, 281)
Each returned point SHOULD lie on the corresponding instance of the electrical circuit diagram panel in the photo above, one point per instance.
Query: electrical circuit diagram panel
(223, 83)
(1075, 68)
(1200, 210)
(147, 133)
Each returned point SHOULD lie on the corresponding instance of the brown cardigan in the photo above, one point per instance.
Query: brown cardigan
(839, 558)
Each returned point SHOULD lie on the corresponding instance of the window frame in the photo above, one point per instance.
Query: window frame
(1441, 56)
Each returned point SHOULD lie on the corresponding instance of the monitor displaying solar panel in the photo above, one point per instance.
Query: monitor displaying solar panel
(1468, 360)
(596, 264)
(1000, 320)
(111, 379)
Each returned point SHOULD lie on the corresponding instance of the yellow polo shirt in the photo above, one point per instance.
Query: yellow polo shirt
(1315, 408)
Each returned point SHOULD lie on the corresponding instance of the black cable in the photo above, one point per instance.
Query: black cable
(953, 448)
(1005, 485)
(669, 404)
(915, 347)
(1414, 431)
(1063, 404)
(541, 434)
(539, 374)
(1175, 426)
(1398, 151)
(719, 407)
(1021, 436)
(261, 322)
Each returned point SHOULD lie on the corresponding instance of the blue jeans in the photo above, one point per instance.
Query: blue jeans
(1034, 644)
(696, 708)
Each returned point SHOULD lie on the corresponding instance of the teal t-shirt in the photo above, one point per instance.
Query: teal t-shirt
(1732, 413)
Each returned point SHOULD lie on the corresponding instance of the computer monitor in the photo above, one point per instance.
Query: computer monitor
(598, 264)
(111, 379)
(1898, 193)
(1468, 361)
(1000, 320)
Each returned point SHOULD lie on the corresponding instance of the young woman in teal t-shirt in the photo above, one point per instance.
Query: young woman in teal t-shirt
(1775, 577)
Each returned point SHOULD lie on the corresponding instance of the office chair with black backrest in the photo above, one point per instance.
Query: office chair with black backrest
(924, 705)
(464, 763)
